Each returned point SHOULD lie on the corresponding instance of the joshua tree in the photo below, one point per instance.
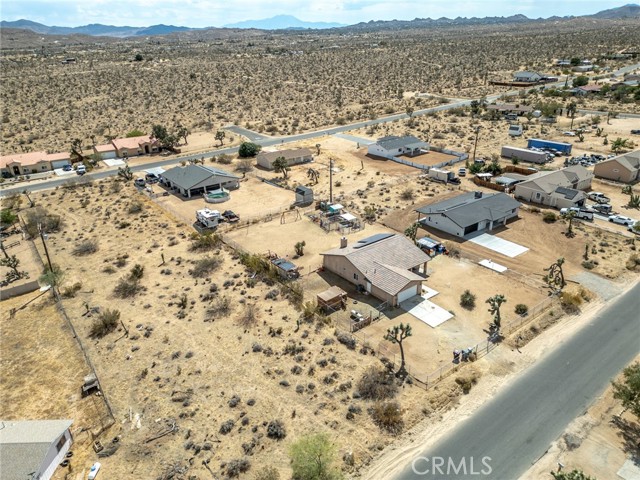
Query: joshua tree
(398, 334)
(125, 173)
(409, 111)
(220, 136)
(317, 148)
(495, 303)
(76, 149)
(412, 231)
(313, 175)
(555, 276)
(570, 216)
(280, 164)
(25, 192)
(13, 263)
(620, 144)
(183, 133)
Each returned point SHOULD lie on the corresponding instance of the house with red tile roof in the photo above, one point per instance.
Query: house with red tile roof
(134, 146)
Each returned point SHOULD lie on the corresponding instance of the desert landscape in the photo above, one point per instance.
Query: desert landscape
(211, 362)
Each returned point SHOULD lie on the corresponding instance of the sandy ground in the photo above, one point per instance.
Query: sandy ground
(506, 365)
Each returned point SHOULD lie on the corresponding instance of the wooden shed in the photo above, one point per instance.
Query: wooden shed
(331, 299)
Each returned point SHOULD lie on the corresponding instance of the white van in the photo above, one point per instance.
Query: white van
(462, 172)
(81, 169)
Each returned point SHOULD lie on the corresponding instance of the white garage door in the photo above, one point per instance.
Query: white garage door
(407, 294)
(59, 163)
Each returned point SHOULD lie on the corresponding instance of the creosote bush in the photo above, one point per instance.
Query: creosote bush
(468, 300)
(126, 288)
(86, 247)
(105, 323)
(388, 416)
(276, 430)
(377, 384)
(202, 242)
(203, 267)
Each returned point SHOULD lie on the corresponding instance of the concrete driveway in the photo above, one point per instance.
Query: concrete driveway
(497, 244)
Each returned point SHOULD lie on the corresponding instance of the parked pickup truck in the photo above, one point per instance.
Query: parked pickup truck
(599, 197)
(603, 208)
(579, 213)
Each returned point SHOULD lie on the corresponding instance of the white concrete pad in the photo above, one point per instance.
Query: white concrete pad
(629, 471)
(427, 292)
(426, 311)
(114, 162)
(496, 267)
(497, 244)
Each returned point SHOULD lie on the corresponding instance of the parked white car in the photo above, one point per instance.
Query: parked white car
(621, 220)
(569, 134)
(632, 228)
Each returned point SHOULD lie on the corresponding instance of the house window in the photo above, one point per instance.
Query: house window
(538, 195)
(355, 276)
(61, 442)
(44, 167)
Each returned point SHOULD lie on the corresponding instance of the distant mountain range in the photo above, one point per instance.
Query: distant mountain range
(288, 22)
(283, 22)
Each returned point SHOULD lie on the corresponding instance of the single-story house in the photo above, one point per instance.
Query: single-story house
(468, 213)
(582, 68)
(107, 151)
(587, 89)
(16, 164)
(33, 449)
(293, 156)
(134, 146)
(58, 160)
(304, 195)
(624, 168)
(560, 189)
(527, 76)
(511, 108)
(386, 265)
(195, 179)
(393, 146)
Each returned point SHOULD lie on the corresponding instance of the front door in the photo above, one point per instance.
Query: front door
(16, 170)
(368, 286)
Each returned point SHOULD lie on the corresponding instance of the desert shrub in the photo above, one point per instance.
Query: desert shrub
(135, 207)
(388, 416)
(201, 242)
(347, 340)
(39, 216)
(276, 430)
(226, 427)
(466, 382)
(633, 263)
(570, 302)
(224, 159)
(105, 323)
(248, 149)
(70, 292)
(86, 247)
(205, 266)
(126, 288)
(468, 300)
(219, 307)
(588, 264)
(453, 249)
(521, 309)
(8, 217)
(549, 217)
(137, 271)
(236, 467)
(249, 316)
(234, 401)
(245, 165)
(377, 384)
(267, 473)
(407, 194)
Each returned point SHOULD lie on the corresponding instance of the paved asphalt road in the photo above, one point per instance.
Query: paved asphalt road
(269, 141)
(516, 427)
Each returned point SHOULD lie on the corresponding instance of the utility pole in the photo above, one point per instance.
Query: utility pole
(330, 181)
(475, 145)
(46, 250)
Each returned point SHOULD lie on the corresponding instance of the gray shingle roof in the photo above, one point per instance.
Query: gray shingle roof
(385, 262)
(467, 209)
(629, 161)
(393, 142)
(24, 445)
(193, 174)
(548, 181)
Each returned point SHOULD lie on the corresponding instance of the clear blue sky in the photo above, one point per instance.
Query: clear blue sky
(201, 13)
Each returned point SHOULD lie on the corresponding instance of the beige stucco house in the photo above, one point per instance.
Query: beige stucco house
(16, 164)
(293, 156)
(388, 266)
(559, 189)
(624, 168)
(134, 146)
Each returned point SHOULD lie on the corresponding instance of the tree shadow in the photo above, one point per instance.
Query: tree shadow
(629, 432)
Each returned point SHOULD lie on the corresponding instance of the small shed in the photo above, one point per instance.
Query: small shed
(304, 195)
(286, 269)
(430, 246)
(333, 298)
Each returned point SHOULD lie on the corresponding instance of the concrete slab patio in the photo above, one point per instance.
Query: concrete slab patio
(426, 311)
(497, 244)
